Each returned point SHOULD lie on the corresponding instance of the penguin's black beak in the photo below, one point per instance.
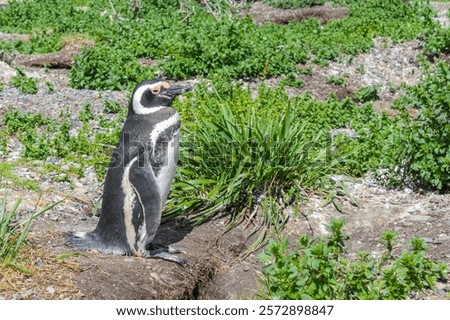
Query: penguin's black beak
(177, 89)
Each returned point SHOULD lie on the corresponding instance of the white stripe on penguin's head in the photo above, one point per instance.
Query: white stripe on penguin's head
(154, 89)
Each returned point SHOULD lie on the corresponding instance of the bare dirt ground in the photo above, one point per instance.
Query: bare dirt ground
(215, 270)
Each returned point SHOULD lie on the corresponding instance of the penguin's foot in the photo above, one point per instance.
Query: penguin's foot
(160, 251)
(91, 241)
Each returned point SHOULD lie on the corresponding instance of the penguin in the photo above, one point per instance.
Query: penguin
(139, 176)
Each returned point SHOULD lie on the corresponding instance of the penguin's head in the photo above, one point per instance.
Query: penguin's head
(151, 95)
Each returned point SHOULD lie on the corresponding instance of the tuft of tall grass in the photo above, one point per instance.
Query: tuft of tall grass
(13, 233)
(242, 163)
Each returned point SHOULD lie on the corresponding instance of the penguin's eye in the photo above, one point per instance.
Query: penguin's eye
(156, 90)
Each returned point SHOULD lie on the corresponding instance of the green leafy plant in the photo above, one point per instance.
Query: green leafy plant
(50, 87)
(24, 83)
(3, 141)
(305, 70)
(437, 41)
(13, 233)
(391, 87)
(43, 137)
(426, 145)
(361, 69)
(381, 141)
(104, 68)
(85, 114)
(292, 81)
(319, 269)
(337, 80)
(186, 40)
(367, 94)
(112, 107)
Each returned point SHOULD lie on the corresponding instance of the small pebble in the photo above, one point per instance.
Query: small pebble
(51, 290)
(421, 218)
(447, 221)
(427, 240)
(434, 200)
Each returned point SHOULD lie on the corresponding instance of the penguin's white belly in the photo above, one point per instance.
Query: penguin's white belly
(128, 206)
(167, 171)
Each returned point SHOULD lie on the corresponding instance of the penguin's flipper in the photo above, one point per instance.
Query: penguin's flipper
(143, 181)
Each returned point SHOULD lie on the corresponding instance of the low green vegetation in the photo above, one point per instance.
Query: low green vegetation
(414, 149)
(50, 87)
(426, 145)
(337, 80)
(367, 94)
(24, 83)
(3, 141)
(319, 269)
(292, 81)
(44, 137)
(99, 69)
(186, 40)
(112, 107)
(7, 173)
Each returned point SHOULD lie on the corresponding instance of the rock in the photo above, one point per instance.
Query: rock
(447, 221)
(6, 73)
(418, 207)
(28, 293)
(441, 239)
(427, 240)
(51, 290)
(408, 190)
(434, 200)
(421, 218)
